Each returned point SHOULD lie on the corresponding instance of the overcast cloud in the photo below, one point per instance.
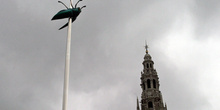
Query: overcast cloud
(107, 53)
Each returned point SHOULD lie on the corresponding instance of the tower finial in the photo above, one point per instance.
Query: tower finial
(146, 46)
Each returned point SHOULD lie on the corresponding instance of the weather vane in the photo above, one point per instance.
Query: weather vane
(71, 12)
(146, 47)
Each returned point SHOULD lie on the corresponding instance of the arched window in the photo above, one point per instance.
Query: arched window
(154, 83)
(151, 65)
(150, 104)
(147, 65)
(148, 83)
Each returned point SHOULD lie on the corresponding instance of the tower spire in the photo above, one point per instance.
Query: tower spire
(138, 108)
(146, 46)
(151, 97)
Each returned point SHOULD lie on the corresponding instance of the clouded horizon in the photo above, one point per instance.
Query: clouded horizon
(107, 51)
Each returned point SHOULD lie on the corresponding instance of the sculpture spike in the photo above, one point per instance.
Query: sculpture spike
(71, 3)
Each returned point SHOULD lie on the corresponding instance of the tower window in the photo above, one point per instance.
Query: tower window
(148, 83)
(147, 65)
(150, 105)
(154, 83)
(150, 65)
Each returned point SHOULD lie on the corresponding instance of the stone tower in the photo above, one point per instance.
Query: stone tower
(151, 97)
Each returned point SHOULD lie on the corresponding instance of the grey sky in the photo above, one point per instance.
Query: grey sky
(107, 53)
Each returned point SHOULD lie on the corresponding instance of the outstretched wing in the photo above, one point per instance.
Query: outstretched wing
(64, 26)
(63, 14)
(73, 19)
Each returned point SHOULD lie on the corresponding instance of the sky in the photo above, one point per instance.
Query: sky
(107, 52)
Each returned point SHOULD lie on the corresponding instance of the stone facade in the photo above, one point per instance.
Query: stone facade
(151, 97)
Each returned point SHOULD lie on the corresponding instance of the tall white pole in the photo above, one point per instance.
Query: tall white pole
(67, 66)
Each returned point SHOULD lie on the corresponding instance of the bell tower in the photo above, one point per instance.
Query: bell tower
(151, 97)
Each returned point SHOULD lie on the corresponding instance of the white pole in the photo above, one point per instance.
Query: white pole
(67, 67)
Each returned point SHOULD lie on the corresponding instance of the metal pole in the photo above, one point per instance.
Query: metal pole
(67, 67)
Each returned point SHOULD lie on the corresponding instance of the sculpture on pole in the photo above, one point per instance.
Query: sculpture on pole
(72, 14)
(68, 13)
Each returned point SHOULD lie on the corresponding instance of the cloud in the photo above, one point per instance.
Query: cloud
(107, 54)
